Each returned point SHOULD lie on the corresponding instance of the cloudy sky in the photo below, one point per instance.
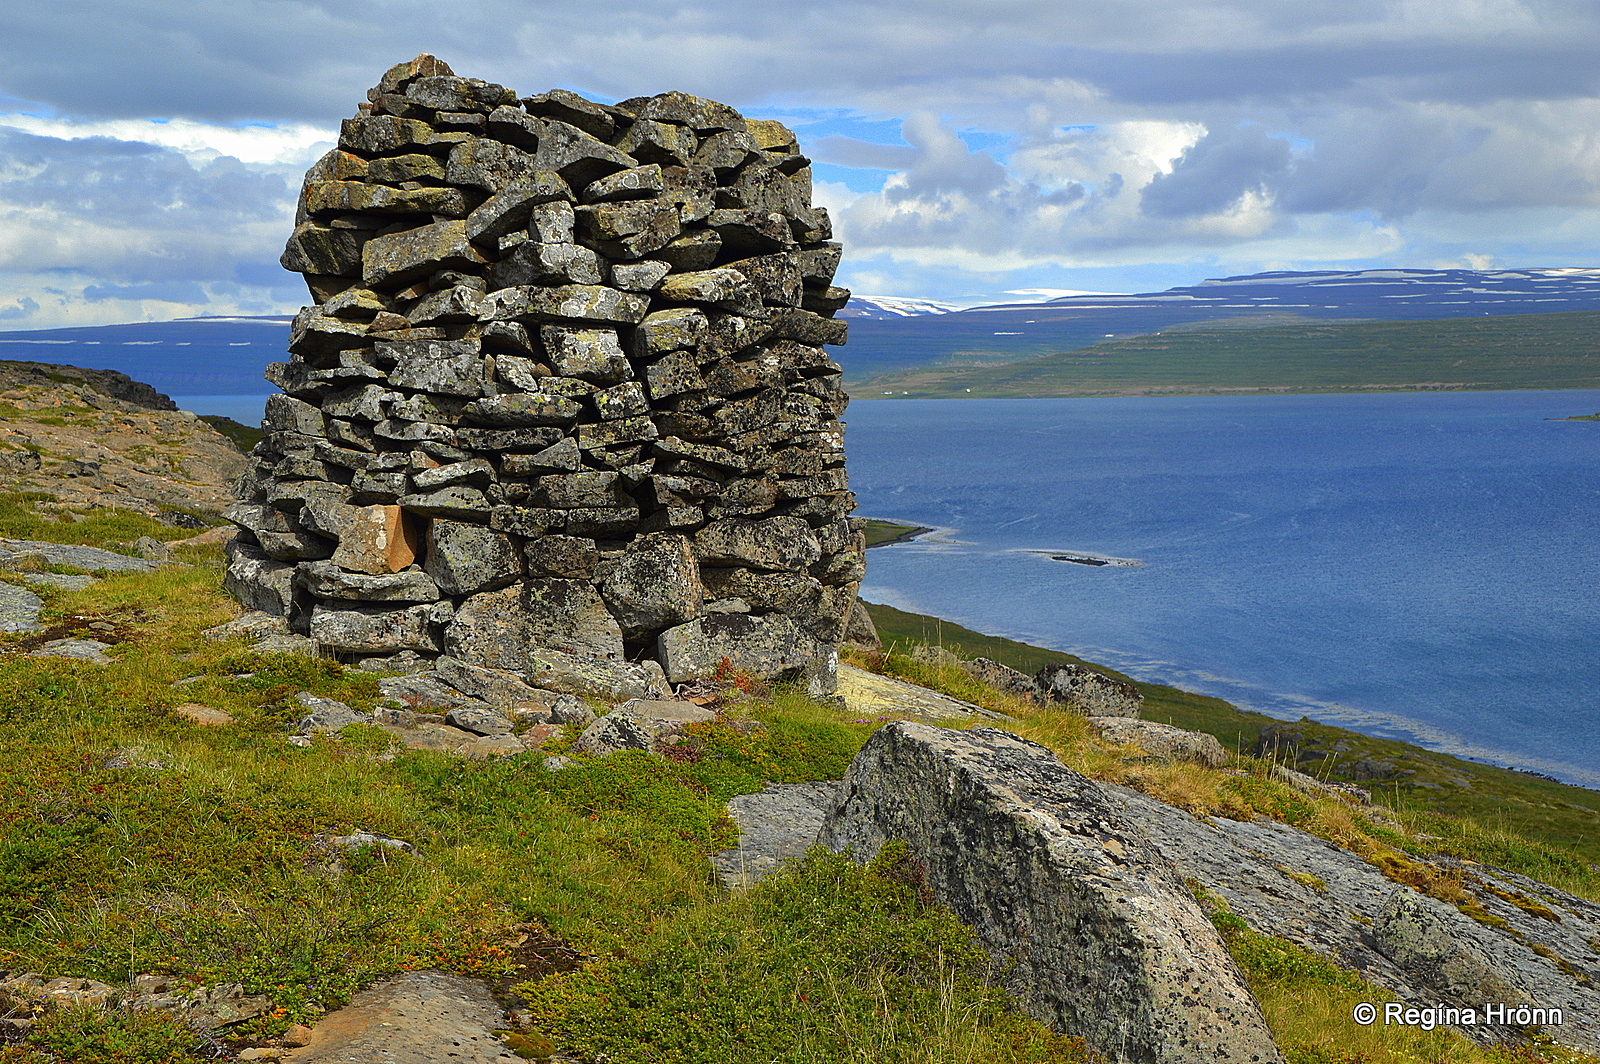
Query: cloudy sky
(969, 150)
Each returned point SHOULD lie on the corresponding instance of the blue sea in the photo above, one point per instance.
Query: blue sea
(1413, 566)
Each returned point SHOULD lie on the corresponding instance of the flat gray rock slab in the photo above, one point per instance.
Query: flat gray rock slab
(414, 1018)
(871, 695)
(1283, 881)
(91, 650)
(19, 609)
(781, 822)
(74, 555)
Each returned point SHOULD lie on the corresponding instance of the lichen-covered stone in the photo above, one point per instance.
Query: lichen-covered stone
(257, 581)
(327, 580)
(411, 254)
(464, 558)
(562, 355)
(654, 585)
(575, 302)
(1162, 740)
(501, 629)
(772, 647)
(1057, 884)
(1087, 692)
(523, 409)
(776, 543)
(444, 367)
(606, 678)
(534, 262)
(378, 629)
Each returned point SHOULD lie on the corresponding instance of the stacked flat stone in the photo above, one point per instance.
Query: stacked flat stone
(562, 406)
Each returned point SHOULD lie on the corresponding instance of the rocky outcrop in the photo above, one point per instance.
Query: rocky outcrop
(1081, 689)
(1099, 936)
(566, 360)
(95, 438)
(1510, 941)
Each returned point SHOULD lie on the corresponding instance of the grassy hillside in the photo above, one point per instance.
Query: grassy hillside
(137, 840)
(1508, 351)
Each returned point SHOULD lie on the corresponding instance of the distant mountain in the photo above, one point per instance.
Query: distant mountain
(892, 307)
(189, 356)
(1015, 331)
(226, 355)
(1465, 353)
(1378, 291)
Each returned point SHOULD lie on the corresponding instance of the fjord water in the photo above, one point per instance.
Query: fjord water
(1414, 566)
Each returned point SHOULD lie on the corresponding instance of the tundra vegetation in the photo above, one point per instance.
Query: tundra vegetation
(134, 841)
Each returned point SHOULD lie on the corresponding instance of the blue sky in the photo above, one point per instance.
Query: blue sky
(969, 150)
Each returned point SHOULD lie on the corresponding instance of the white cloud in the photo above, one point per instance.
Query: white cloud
(295, 144)
(1184, 135)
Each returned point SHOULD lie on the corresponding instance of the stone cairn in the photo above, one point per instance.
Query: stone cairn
(561, 406)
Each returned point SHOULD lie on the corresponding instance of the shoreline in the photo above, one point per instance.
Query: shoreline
(883, 533)
(1405, 773)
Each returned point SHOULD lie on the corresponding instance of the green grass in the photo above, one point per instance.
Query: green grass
(1500, 352)
(880, 532)
(101, 527)
(196, 858)
(824, 961)
(243, 436)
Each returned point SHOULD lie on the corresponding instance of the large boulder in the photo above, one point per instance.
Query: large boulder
(1093, 930)
(654, 585)
(1162, 740)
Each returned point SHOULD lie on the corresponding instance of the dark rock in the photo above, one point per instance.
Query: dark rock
(1087, 692)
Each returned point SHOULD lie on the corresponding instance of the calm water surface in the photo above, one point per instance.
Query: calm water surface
(1416, 566)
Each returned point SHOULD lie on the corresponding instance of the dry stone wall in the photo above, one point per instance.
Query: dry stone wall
(562, 405)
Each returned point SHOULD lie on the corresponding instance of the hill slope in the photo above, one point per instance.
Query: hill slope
(992, 335)
(1559, 350)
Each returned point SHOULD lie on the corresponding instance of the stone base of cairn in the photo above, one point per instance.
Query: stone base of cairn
(561, 406)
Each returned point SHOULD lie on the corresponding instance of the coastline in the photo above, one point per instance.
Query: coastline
(881, 533)
(1404, 774)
